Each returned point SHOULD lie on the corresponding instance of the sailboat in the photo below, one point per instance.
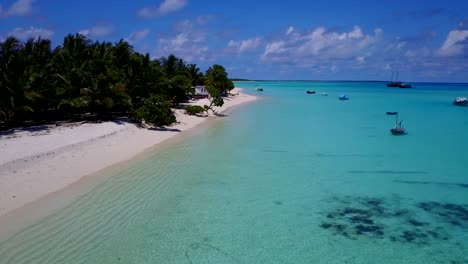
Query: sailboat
(393, 83)
(398, 129)
(397, 83)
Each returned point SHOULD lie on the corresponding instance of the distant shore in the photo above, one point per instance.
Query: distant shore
(37, 162)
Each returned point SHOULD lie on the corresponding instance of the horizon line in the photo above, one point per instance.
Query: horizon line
(302, 80)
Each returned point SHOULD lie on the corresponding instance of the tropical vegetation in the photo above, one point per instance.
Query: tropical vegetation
(85, 79)
(194, 109)
(217, 85)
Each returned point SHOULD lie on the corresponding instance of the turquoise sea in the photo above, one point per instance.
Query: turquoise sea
(290, 178)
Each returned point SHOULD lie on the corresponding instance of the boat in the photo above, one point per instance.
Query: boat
(460, 101)
(310, 92)
(324, 94)
(398, 129)
(393, 84)
(398, 84)
(392, 113)
(404, 85)
(343, 97)
(258, 89)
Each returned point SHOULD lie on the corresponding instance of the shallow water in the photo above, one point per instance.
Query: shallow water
(291, 178)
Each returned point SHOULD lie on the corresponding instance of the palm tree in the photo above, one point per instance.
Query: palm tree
(69, 63)
(15, 97)
(122, 52)
(196, 76)
(176, 83)
(216, 77)
(80, 77)
(169, 65)
(38, 73)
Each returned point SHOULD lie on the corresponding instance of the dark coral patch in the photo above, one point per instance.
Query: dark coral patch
(453, 214)
(374, 218)
(410, 236)
(361, 219)
(414, 222)
(369, 229)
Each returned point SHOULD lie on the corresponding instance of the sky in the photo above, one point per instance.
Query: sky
(422, 40)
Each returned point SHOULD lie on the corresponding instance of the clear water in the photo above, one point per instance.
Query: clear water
(291, 178)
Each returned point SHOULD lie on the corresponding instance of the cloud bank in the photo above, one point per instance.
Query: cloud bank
(18, 8)
(321, 44)
(98, 30)
(166, 7)
(137, 36)
(31, 32)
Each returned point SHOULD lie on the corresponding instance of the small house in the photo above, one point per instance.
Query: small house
(200, 92)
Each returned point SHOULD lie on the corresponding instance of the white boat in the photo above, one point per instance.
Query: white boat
(460, 101)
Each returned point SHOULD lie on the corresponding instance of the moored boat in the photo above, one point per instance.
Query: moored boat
(398, 84)
(460, 101)
(258, 89)
(405, 85)
(398, 129)
(392, 113)
(393, 84)
(343, 97)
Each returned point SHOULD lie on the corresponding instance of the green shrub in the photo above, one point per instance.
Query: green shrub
(156, 111)
(194, 109)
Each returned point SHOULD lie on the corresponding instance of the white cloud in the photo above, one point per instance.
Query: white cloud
(138, 35)
(189, 43)
(98, 30)
(166, 7)
(455, 44)
(31, 32)
(355, 34)
(18, 8)
(360, 59)
(320, 45)
(277, 47)
(245, 45)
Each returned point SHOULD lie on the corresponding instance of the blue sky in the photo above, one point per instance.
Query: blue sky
(257, 39)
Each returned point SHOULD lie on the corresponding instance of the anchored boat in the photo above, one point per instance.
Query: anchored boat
(398, 129)
(460, 101)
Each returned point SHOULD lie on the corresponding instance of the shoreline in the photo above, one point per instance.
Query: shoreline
(36, 164)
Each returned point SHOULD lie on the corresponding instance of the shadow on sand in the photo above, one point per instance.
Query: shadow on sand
(165, 129)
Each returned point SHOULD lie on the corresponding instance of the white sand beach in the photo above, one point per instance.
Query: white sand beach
(37, 162)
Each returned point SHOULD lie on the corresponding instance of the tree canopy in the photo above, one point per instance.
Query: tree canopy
(82, 78)
(217, 84)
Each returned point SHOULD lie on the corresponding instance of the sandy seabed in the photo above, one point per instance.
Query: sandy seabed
(38, 162)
